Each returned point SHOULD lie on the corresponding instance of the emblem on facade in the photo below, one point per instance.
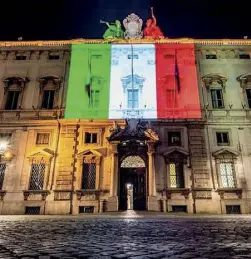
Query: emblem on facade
(133, 27)
(138, 129)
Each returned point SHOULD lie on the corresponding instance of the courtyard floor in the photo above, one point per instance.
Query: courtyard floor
(125, 235)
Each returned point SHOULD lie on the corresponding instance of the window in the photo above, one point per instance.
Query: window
(174, 138)
(12, 100)
(244, 56)
(233, 209)
(89, 176)
(2, 173)
(21, 57)
(133, 98)
(170, 99)
(95, 98)
(217, 98)
(53, 57)
(211, 56)
(5, 135)
(248, 93)
(176, 175)
(43, 138)
(227, 175)
(91, 137)
(222, 138)
(48, 99)
(37, 176)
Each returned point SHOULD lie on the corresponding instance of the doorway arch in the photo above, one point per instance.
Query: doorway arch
(132, 183)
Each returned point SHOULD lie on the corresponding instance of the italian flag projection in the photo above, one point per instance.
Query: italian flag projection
(122, 81)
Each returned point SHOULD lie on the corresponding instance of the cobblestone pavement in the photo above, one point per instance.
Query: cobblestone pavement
(125, 236)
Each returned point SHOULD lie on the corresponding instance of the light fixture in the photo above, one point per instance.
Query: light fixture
(3, 146)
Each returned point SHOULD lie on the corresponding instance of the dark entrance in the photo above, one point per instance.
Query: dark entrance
(132, 188)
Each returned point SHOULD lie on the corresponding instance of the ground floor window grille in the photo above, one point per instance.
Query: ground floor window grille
(179, 208)
(227, 172)
(37, 176)
(89, 176)
(32, 210)
(86, 209)
(176, 175)
(2, 173)
(233, 209)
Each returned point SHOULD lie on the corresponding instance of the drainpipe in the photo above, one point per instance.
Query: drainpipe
(74, 165)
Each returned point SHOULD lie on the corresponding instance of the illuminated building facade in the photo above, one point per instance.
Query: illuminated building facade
(77, 140)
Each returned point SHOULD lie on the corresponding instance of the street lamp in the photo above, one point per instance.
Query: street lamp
(3, 147)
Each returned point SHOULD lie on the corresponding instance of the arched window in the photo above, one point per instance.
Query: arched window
(13, 92)
(49, 88)
(215, 84)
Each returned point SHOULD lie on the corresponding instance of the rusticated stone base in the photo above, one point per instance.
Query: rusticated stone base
(153, 203)
(113, 204)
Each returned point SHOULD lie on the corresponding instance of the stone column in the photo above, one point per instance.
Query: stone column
(152, 199)
(113, 198)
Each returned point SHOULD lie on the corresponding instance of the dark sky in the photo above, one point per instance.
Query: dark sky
(68, 19)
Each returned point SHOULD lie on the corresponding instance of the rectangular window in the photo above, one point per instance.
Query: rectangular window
(174, 138)
(95, 98)
(53, 57)
(2, 173)
(244, 56)
(5, 135)
(176, 175)
(91, 137)
(21, 57)
(37, 177)
(12, 100)
(211, 56)
(133, 98)
(43, 138)
(248, 93)
(233, 209)
(48, 99)
(227, 175)
(222, 138)
(170, 99)
(89, 176)
(217, 98)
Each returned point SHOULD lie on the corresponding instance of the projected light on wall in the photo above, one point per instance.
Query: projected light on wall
(133, 82)
(120, 81)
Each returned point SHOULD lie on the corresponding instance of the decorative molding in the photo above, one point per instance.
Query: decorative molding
(225, 151)
(35, 195)
(2, 194)
(223, 191)
(44, 80)
(210, 78)
(43, 156)
(183, 191)
(89, 156)
(88, 194)
(202, 193)
(62, 195)
(17, 80)
(244, 80)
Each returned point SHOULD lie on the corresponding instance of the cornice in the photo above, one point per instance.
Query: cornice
(60, 43)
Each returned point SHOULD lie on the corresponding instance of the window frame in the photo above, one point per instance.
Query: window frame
(83, 175)
(44, 176)
(43, 133)
(222, 143)
(169, 132)
(247, 99)
(133, 100)
(222, 98)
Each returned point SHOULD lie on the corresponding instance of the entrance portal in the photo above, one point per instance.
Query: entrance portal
(132, 184)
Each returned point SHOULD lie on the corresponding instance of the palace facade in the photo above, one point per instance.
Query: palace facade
(55, 165)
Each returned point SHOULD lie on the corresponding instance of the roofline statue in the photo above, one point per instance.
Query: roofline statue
(114, 30)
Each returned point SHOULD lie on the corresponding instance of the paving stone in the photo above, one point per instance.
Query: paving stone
(136, 237)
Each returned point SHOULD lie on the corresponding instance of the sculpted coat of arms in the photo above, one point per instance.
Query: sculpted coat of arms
(133, 27)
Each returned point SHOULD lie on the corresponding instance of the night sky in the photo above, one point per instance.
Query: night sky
(69, 19)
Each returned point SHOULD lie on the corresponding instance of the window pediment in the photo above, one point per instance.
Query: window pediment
(90, 156)
(138, 82)
(173, 150)
(225, 152)
(244, 80)
(209, 79)
(45, 80)
(43, 156)
(18, 81)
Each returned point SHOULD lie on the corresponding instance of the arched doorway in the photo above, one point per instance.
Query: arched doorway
(132, 183)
